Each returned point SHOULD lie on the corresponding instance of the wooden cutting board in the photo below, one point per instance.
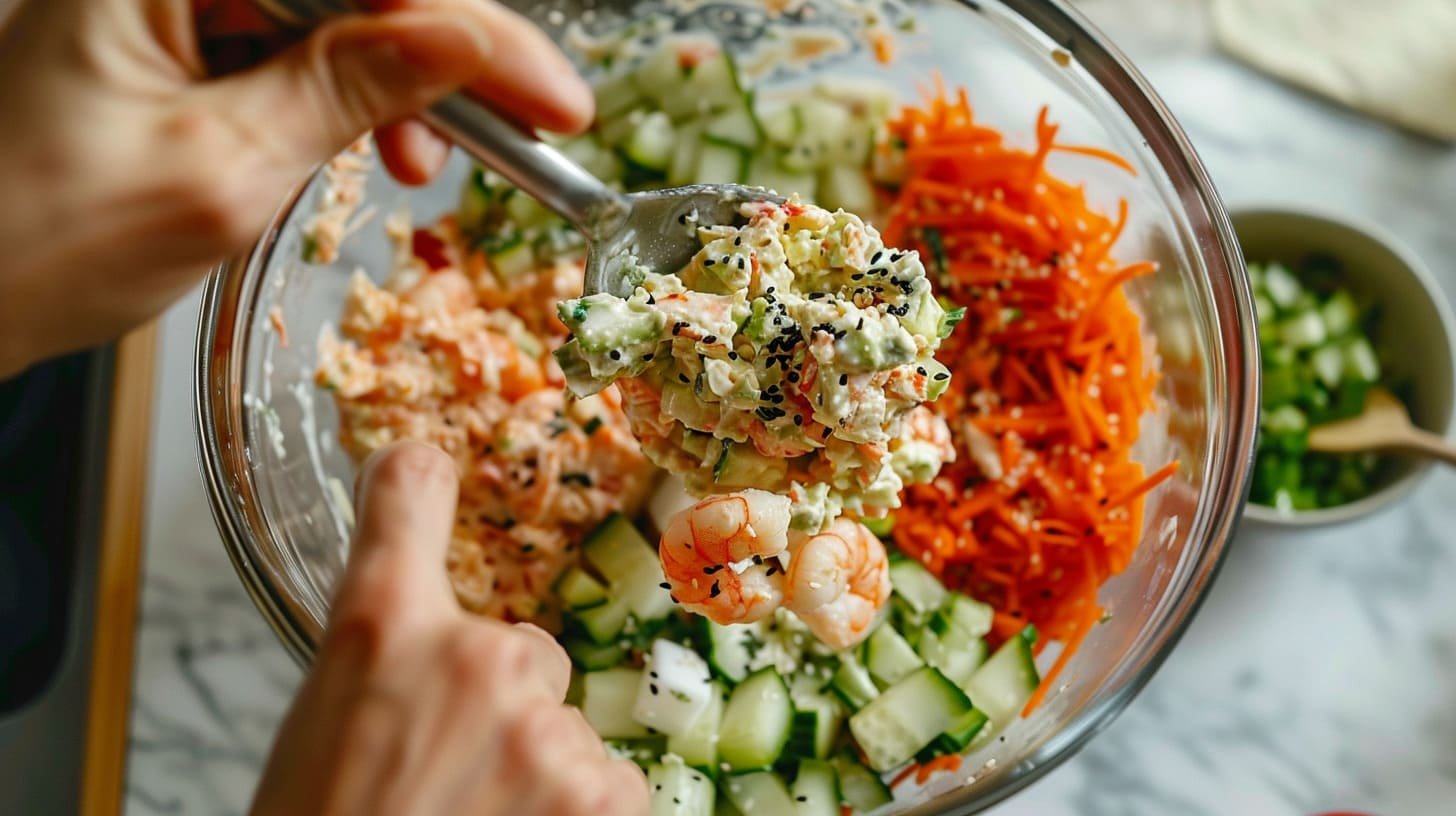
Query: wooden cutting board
(118, 580)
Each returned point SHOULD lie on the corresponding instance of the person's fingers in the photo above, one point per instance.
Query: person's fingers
(351, 74)
(555, 666)
(527, 79)
(411, 151)
(406, 514)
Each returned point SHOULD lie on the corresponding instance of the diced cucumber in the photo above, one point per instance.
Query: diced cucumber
(846, 187)
(815, 789)
(961, 733)
(698, 744)
(630, 565)
(907, 717)
(756, 722)
(577, 590)
(818, 718)
(1281, 285)
(613, 132)
(733, 648)
(715, 81)
(969, 614)
(1361, 364)
(915, 586)
(641, 751)
(950, 649)
(675, 688)
(778, 119)
(1339, 313)
(478, 200)
(595, 158)
(859, 787)
(824, 124)
(589, 656)
(736, 127)
(1303, 330)
(678, 790)
(526, 212)
(852, 683)
(1003, 684)
(652, 142)
(766, 170)
(720, 163)
(1328, 363)
(616, 94)
(742, 465)
(889, 657)
(863, 99)
(660, 72)
(853, 148)
(683, 166)
(606, 702)
(511, 258)
(759, 794)
(604, 624)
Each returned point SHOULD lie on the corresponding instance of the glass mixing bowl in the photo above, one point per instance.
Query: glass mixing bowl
(278, 481)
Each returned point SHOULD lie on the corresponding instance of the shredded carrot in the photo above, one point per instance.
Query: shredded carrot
(1048, 363)
(910, 770)
(947, 762)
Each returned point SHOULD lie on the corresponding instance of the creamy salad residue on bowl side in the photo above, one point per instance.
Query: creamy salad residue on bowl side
(792, 354)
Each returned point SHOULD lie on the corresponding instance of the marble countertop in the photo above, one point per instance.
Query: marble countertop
(1316, 677)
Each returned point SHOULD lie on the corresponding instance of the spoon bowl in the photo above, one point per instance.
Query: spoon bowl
(1384, 425)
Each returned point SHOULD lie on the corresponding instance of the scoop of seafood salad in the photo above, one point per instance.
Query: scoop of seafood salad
(786, 356)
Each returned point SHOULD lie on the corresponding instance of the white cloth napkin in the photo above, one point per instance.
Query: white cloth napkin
(1392, 59)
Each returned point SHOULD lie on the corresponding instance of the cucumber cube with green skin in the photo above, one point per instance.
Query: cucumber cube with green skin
(859, 787)
(590, 657)
(678, 790)
(651, 143)
(756, 722)
(889, 657)
(606, 703)
(815, 789)
(1003, 684)
(1328, 363)
(675, 689)
(759, 793)
(908, 716)
(698, 744)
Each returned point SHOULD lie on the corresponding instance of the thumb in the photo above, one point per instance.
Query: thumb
(351, 74)
(406, 515)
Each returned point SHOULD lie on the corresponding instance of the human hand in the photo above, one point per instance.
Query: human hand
(134, 157)
(413, 705)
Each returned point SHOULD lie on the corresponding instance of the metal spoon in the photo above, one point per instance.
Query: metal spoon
(653, 225)
(1383, 425)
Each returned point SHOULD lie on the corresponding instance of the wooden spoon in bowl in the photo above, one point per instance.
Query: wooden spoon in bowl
(1383, 425)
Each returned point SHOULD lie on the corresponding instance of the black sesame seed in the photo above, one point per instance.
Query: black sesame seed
(825, 435)
(708, 262)
(615, 355)
(877, 256)
(647, 358)
(683, 377)
(920, 370)
(710, 339)
(740, 263)
(715, 591)
(665, 585)
(793, 376)
(942, 376)
(844, 379)
(652, 687)
(798, 419)
(801, 798)
(860, 325)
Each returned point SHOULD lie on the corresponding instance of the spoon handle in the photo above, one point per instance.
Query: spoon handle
(1431, 445)
(539, 169)
(535, 167)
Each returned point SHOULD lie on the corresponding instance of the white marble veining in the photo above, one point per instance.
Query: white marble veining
(1318, 675)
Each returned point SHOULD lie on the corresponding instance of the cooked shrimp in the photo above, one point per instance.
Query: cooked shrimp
(837, 582)
(702, 543)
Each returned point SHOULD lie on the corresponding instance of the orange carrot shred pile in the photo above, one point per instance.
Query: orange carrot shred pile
(1048, 375)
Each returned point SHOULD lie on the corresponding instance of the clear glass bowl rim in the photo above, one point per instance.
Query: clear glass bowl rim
(217, 380)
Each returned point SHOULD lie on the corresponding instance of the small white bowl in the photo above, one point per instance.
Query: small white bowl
(1412, 335)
